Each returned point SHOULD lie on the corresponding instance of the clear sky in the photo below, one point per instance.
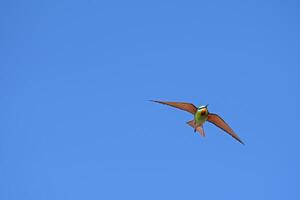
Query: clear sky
(76, 77)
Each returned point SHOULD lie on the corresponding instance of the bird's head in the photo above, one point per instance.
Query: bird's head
(203, 110)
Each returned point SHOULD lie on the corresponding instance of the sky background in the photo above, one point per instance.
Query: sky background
(76, 77)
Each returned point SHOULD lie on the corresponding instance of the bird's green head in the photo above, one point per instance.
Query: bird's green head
(203, 110)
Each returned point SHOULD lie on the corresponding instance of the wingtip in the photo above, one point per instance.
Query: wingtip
(242, 142)
(155, 101)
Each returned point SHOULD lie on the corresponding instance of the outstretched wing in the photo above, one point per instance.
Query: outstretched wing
(180, 105)
(219, 122)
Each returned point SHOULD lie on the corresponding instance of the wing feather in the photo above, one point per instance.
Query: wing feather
(219, 122)
(180, 105)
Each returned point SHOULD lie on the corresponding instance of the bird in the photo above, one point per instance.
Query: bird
(201, 115)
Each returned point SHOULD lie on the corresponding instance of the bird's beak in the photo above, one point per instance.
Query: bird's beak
(206, 105)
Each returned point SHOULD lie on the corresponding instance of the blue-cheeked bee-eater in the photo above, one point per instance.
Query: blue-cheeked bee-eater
(201, 115)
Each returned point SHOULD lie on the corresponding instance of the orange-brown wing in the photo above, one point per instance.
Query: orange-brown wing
(180, 105)
(219, 122)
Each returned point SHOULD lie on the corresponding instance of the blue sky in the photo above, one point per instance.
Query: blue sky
(76, 77)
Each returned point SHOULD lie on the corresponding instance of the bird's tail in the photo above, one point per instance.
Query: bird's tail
(199, 129)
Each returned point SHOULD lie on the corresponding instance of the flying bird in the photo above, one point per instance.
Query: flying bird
(201, 115)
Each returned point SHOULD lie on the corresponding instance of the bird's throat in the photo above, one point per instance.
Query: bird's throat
(200, 119)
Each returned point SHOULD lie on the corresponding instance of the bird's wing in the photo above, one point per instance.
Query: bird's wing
(219, 122)
(180, 105)
(199, 128)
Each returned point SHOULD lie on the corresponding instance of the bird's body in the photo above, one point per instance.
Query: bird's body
(201, 115)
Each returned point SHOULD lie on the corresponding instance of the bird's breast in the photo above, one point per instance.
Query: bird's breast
(199, 118)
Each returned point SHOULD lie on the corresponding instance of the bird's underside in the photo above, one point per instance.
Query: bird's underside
(212, 118)
(198, 128)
